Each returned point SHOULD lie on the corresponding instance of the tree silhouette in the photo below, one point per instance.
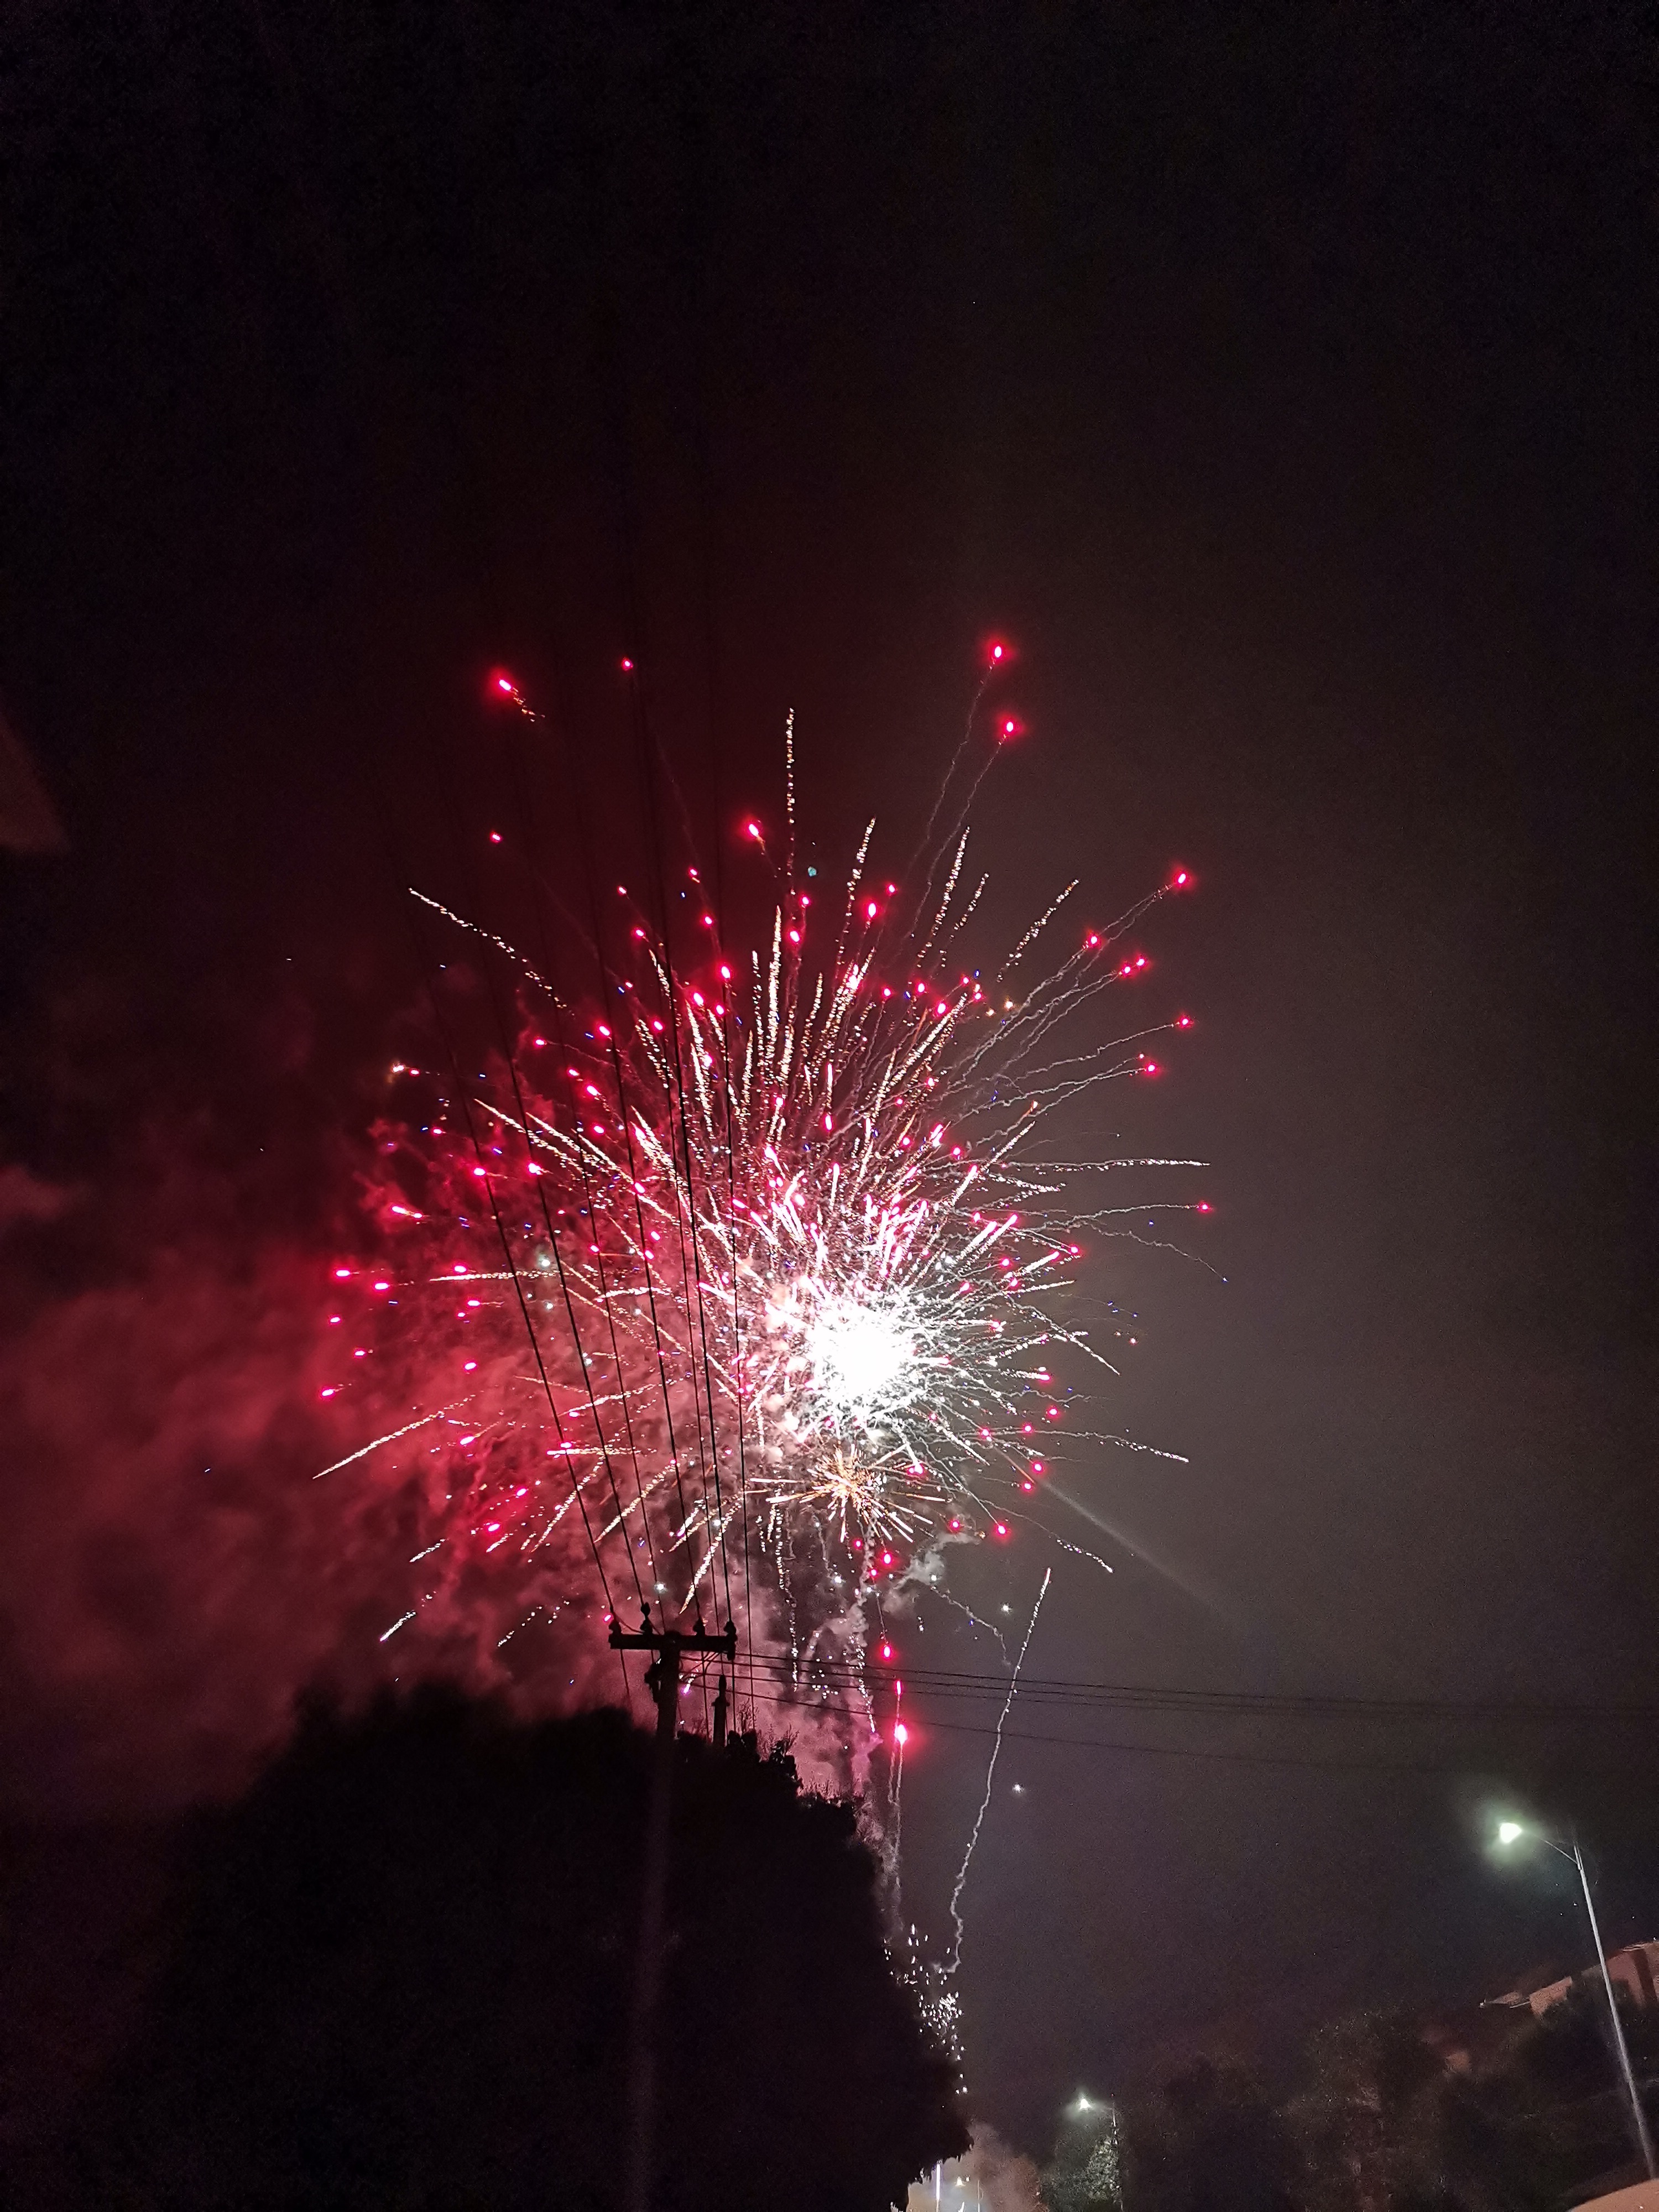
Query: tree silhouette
(1546, 2122)
(1084, 2174)
(1209, 2140)
(398, 1977)
(1368, 2122)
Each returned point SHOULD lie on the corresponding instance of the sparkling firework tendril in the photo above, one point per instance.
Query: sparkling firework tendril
(758, 1271)
(955, 1960)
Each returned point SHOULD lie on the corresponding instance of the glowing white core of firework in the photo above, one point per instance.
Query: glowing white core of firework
(858, 1353)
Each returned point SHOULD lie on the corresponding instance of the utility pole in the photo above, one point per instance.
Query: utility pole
(1514, 1832)
(1643, 2134)
(669, 1646)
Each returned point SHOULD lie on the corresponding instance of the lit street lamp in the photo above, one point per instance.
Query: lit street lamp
(1512, 1832)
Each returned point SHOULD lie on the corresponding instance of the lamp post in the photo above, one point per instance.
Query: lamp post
(1512, 1832)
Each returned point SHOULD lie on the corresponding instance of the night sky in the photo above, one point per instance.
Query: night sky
(1283, 384)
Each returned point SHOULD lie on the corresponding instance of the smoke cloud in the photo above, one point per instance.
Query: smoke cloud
(992, 2177)
(174, 1574)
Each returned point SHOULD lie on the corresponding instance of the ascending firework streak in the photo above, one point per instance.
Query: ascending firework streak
(955, 1960)
(750, 1279)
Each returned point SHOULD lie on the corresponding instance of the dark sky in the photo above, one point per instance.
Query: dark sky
(1284, 383)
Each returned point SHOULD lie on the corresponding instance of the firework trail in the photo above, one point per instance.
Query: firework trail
(991, 1776)
(743, 1280)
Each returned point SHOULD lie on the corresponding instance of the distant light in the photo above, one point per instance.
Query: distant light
(1509, 1831)
(901, 1735)
(628, 667)
(752, 829)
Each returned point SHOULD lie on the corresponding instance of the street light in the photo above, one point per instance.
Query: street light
(1511, 1831)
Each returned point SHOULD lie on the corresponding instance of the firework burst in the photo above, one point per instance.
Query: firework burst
(748, 1285)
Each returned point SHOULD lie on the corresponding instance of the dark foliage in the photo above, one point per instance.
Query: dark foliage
(398, 1977)
(1209, 2141)
(1378, 2124)
(1548, 2122)
(1085, 2172)
(1369, 2121)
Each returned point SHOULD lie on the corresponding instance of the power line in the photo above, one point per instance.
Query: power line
(518, 1286)
(397, 875)
(528, 714)
(947, 1684)
(1320, 1763)
(504, 1036)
